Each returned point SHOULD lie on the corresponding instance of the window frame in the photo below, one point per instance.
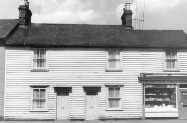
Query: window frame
(31, 98)
(177, 60)
(120, 69)
(120, 96)
(35, 69)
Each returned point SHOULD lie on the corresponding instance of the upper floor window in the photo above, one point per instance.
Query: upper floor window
(39, 59)
(38, 98)
(114, 60)
(171, 61)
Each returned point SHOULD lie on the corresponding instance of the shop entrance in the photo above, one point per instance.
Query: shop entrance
(183, 104)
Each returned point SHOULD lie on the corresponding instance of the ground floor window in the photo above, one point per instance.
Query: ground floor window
(160, 97)
(38, 98)
(114, 97)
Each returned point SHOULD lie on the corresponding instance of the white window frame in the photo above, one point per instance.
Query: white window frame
(32, 61)
(120, 69)
(120, 96)
(46, 98)
(177, 60)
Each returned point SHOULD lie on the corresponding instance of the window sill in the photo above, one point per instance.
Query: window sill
(114, 110)
(38, 110)
(113, 70)
(167, 70)
(40, 70)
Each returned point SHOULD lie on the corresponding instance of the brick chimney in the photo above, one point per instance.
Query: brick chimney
(24, 14)
(127, 17)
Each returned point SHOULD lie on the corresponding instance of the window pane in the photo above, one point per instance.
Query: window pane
(114, 103)
(173, 64)
(36, 94)
(168, 64)
(117, 92)
(111, 92)
(173, 54)
(36, 98)
(42, 54)
(42, 104)
(114, 92)
(42, 94)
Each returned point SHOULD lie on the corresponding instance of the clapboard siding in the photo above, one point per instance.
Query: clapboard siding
(78, 67)
(74, 60)
(183, 60)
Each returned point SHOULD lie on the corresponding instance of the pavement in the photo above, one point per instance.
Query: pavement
(107, 121)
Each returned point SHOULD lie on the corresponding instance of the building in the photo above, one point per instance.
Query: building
(87, 72)
(7, 27)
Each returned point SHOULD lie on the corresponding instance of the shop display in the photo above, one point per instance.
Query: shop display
(160, 96)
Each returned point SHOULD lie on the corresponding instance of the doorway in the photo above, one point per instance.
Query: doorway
(183, 104)
(91, 105)
(62, 102)
(62, 106)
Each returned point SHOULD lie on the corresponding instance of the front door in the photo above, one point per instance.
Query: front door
(62, 105)
(91, 106)
(183, 104)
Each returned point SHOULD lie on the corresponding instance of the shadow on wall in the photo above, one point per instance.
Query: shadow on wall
(1, 118)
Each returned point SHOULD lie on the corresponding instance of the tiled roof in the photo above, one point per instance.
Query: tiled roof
(6, 26)
(80, 35)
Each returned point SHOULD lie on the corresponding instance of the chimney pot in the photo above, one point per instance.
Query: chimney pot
(127, 6)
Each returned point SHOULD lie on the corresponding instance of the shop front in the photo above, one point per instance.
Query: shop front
(165, 96)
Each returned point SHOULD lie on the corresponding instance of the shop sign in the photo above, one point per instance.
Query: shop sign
(163, 82)
(160, 86)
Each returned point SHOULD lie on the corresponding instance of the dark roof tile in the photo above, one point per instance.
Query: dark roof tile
(6, 27)
(47, 35)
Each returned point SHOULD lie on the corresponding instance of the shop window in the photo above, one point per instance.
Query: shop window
(114, 60)
(183, 86)
(39, 59)
(38, 99)
(171, 62)
(114, 97)
(160, 97)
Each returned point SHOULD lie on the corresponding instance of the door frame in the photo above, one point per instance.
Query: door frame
(97, 103)
(179, 102)
(69, 89)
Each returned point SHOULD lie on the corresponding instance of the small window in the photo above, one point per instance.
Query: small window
(171, 62)
(114, 98)
(114, 60)
(38, 99)
(39, 59)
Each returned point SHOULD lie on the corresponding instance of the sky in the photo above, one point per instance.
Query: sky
(157, 14)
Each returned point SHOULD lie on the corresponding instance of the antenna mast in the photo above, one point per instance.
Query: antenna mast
(40, 6)
(143, 16)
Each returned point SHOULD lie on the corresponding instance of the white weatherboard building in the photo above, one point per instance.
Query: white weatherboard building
(64, 71)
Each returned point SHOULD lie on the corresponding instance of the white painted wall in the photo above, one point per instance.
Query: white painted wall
(77, 67)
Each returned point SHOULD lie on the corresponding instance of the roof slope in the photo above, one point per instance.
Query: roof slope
(6, 27)
(47, 35)
(169, 38)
